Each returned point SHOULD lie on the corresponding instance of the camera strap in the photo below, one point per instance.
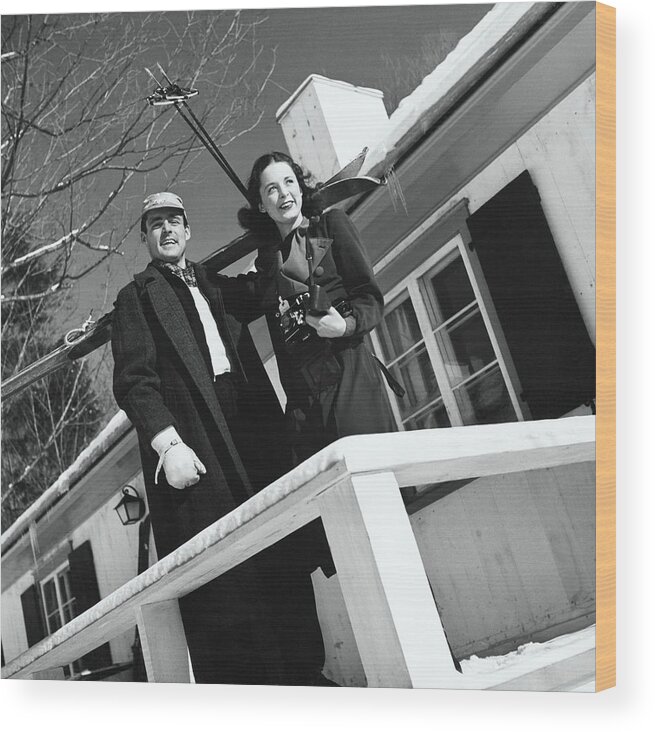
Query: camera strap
(309, 256)
(394, 385)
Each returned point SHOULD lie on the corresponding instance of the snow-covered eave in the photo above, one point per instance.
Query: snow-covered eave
(117, 427)
(474, 57)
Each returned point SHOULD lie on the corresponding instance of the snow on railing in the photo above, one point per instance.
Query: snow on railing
(354, 486)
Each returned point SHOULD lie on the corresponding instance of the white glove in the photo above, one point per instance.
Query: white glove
(330, 325)
(182, 466)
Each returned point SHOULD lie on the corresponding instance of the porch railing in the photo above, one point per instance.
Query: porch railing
(354, 486)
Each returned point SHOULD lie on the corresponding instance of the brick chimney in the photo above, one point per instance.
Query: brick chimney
(327, 123)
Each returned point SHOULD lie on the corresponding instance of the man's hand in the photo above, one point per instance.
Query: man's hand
(182, 466)
(330, 325)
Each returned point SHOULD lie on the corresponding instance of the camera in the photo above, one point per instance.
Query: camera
(291, 317)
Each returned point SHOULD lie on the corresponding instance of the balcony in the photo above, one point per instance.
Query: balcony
(354, 485)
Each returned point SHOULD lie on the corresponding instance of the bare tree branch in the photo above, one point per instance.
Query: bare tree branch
(56, 429)
(78, 138)
(52, 290)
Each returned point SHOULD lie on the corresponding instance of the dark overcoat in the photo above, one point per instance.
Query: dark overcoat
(162, 378)
(357, 403)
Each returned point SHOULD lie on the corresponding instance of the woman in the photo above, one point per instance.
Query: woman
(332, 382)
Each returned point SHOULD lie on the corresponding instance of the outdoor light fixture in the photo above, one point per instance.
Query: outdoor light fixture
(131, 508)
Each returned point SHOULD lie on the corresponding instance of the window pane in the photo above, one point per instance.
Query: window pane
(465, 346)
(399, 330)
(485, 400)
(54, 621)
(68, 612)
(415, 373)
(64, 590)
(451, 289)
(50, 597)
(436, 416)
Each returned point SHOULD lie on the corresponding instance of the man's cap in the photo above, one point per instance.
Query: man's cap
(162, 200)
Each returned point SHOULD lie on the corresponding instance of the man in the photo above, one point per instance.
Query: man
(189, 378)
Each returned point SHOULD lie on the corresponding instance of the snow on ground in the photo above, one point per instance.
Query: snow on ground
(529, 657)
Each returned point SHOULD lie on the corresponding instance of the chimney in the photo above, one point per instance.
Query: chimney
(327, 123)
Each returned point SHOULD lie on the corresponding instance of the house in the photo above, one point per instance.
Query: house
(483, 241)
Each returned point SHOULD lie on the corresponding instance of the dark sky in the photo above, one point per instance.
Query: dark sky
(341, 43)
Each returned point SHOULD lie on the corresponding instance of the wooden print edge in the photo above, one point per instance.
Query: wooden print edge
(606, 347)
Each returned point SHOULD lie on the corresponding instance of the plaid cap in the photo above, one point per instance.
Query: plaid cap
(162, 200)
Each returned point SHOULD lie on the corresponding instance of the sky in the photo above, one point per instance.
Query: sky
(344, 43)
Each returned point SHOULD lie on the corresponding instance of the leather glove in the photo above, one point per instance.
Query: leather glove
(181, 465)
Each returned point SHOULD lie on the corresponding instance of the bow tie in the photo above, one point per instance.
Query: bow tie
(188, 274)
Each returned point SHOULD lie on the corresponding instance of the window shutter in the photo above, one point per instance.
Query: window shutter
(84, 587)
(547, 338)
(144, 545)
(33, 615)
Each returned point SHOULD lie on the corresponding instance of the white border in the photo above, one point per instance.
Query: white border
(29, 705)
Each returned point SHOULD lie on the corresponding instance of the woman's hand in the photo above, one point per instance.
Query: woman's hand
(330, 325)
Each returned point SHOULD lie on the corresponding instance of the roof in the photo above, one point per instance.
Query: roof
(476, 54)
(117, 427)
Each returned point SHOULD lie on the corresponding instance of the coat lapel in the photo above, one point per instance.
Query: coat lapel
(168, 310)
(319, 247)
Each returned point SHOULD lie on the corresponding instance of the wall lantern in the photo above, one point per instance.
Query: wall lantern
(131, 508)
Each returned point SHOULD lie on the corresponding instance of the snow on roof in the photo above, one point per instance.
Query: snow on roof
(475, 54)
(118, 425)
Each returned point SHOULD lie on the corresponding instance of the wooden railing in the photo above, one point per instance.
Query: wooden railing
(354, 486)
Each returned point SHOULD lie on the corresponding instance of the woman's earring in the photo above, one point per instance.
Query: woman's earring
(261, 208)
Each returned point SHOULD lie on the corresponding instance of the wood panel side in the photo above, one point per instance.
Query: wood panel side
(606, 347)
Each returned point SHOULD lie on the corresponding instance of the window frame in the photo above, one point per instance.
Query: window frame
(415, 287)
(63, 569)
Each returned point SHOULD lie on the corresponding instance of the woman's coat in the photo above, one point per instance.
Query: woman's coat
(358, 403)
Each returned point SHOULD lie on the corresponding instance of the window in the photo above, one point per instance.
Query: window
(406, 355)
(59, 603)
(60, 607)
(439, 339)
(471, 363)
(61, 595)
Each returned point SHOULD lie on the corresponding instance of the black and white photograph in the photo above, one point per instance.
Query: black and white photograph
(299, 346)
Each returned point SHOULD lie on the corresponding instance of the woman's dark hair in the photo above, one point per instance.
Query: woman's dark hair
(251, 218)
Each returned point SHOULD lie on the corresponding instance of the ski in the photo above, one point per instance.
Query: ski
(91, 335)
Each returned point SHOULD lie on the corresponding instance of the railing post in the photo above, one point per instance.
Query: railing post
(399, 634)
(163, 642)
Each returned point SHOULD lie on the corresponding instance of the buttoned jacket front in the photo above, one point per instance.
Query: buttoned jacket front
(358, 404)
